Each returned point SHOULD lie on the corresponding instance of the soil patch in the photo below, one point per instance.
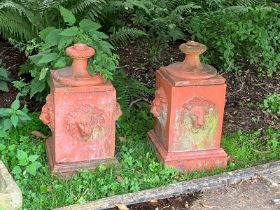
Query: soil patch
(183, 202)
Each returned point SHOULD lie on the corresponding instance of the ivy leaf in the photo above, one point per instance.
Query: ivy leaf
(67, 15)
(48, 58)
(43, 73)
(53, 37)
(15, 105)
(32, 158)
(43, 34)
(21, 155)
(17, 170)
(36, 86)
(60, 63)
(73, 31)
(14, 120)
(88, 25)
(65, 42)
(4, 86)
(31, 169)
(90, 70)
(7, 124)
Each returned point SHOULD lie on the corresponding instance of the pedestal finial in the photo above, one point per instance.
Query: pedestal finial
(80, 54)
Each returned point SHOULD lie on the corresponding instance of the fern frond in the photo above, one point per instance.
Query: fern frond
(13, 6)
(93, 5)
(128, 89)
(185, 8)
(124, 34)
(14, 26)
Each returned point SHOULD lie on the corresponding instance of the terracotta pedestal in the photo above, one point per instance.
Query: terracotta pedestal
(81, 111)
(188, 109)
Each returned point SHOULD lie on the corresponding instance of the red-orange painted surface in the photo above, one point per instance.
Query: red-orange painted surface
(81, 111)
(188, 109)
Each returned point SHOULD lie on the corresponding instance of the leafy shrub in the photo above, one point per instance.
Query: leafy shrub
(51, 53)
(4, 78)
(239, 36)
(23, 19)
(271, 103)
(163, 20)
(13, 116)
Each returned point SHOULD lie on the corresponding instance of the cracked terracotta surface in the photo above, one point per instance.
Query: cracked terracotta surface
(81, 111)
(188, 109)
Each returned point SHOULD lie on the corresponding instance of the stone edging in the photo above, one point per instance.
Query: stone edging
(179, 188)
(10, 196)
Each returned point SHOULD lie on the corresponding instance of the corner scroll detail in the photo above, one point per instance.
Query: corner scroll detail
(47, 114)
(159, 110)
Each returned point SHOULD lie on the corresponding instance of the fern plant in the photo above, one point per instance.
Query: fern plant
(23, 19)
(4, 78)
(121, 36)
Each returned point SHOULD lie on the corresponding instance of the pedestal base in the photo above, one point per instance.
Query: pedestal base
(66, 169)
(189, 160)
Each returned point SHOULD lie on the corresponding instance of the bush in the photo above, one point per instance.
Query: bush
(23, 19)
(52, 54)
(271, 103)
(239, 36)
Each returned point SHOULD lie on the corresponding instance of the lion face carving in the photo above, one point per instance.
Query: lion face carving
(86, 122)
(196, 125)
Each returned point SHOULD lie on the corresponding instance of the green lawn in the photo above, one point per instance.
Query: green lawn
(138, 168)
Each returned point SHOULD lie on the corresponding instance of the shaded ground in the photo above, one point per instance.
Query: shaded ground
(251, 195)
(176, 203)
(243, 92)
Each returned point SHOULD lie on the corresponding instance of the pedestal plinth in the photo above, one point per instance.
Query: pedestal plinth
(188, 109)
(81, 112)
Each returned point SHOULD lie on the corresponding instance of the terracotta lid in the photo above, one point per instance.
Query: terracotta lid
(78, 75)
(191, 68)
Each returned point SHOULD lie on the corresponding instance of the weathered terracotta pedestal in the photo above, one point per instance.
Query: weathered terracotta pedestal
(188, 109)
(81, 111)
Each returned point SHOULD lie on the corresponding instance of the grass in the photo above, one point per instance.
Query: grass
(138, 169)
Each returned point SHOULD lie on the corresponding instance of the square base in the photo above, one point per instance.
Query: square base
(189, 160)
(65, 169)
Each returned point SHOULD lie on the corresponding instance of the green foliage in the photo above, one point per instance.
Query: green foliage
(138, 169)
(23, 19)
(239, 36)
(13, 116)
(124, 34)
(22, 87)
(129, 91)
(163, 20)
(4, 78)
(271, 103)
(51, 54)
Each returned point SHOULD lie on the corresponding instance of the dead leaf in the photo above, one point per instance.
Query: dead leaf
(154, 201)
(232, 159)
(122, 139)
(261, 152)
(119, 179)
(38, 134)
(49, 188)
(207, 206)
(121, 206)
(187, 205)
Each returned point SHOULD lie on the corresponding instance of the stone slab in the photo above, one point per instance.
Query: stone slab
(10, 194)
(196, 185)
